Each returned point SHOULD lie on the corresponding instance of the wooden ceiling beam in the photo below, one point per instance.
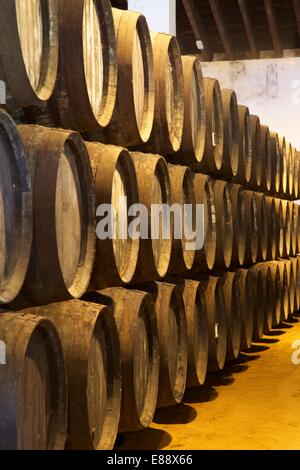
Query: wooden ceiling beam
(269, 7)
(215, 6)
(198, 28)
(297, 14)
(244, 9)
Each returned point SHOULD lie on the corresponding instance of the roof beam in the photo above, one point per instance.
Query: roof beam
(198, 28)
(216, 9)
(244, 9)
(273, 28)
(297, 14)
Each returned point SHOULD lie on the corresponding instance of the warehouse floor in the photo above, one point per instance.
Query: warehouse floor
(253, 404)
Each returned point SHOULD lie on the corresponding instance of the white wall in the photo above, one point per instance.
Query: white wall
(269, 87)
(160, 14)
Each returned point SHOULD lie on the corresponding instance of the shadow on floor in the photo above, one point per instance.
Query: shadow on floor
(292, 320)
(146, 439)
(283, 325)
(222, 378)
(177, 414)
(200, 394)
(268, 340)
(246, 356)
(255, 348)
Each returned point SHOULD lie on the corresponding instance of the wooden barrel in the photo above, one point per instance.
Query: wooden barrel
(284, 282)
(15, 210)
(238, 224)
(33, 396)
(284, 167)
(139, 346)
(29, 49)
(266, 161)
(153, 188)
(276, 164)
(297, 282)
(296, 269)
(90, 342)
(205, 258)
(294, 228)
(172, 337)
(296, 165)
(212, 292)
(197, 332)
(290, 171)
(233, 314)
(132, 119)
(251, 220)
(277, 299)
(166, 136)
(115, 184)
(231, 134)
(224, 225)
(271, 295)
(247, 319)
(287, 228)
(214, 137)
(298, 227)
(87, 52)
(183, 201)
(272, 227)
(292, 285)
(256, 285)
(262, 222)
(245, 147)
(257, 152)
(280, 227)
(193, 138)
(62, 253)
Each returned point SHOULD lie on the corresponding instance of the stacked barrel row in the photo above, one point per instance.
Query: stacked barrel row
(136, 119)
(78, 372)
(134, 89)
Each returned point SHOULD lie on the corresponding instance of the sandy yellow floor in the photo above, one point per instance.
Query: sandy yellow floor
(253, 404)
